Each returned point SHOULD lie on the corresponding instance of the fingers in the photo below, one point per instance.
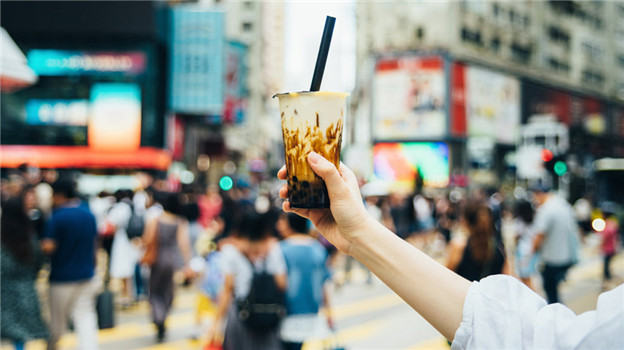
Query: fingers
(283, 192)
(326, 170)
(281, 174)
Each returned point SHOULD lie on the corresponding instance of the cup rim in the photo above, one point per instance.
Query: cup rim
(344, 94)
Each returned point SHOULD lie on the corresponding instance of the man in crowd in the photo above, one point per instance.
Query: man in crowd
(70, 239)
(557, 239)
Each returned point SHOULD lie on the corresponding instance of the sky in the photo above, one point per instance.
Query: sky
(304, 28)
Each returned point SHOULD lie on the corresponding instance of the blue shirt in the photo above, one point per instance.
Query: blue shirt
(305, 260)
(74, 231)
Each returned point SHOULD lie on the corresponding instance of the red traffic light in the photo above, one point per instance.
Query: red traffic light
(547, 155)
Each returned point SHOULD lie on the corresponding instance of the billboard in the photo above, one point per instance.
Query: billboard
(235, 83)
(197, 61)
(63, 62)
(409, 98)
(115, 120)
(400, 163)
(492, 104)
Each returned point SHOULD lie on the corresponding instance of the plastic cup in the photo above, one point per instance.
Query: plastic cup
(311, 121)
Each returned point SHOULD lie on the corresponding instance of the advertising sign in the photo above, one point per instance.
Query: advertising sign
(400, 163)
(61, 62)
(235, 83)
(57, 112)
(197, 61)
(492, 104)
(115, 121)
(409, 97)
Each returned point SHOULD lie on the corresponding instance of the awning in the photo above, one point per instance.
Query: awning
(14, 70)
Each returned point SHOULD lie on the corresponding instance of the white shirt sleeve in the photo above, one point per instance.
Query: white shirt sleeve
(502, 313)
(275, 263)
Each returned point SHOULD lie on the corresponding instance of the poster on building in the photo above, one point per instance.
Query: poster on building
(409, 98)
(235, 83)
(197, 60)
(492, 104)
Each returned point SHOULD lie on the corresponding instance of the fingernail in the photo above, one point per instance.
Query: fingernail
(314, 157)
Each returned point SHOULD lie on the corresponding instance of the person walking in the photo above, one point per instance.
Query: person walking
(20, 261)
(168, 234)
(526, 259)
(307, 288)
(556, 239)
(124, 255)
(70, 238)
(248, 251)
(479, 254)
(609, 237)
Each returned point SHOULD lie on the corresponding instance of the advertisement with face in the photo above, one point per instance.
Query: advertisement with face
(409, 98)
(492, 104)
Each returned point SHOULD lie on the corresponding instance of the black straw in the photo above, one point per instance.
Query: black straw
(321, 59)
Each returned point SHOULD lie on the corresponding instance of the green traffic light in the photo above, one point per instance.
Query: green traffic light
(226, 183)
(560, 168)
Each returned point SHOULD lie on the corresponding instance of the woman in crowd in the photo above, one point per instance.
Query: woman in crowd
(307, 288)
(498, 312)
(124, 255)
(168, 235)
(479, 254)
(21, 258)
(250, 249)
(526, 259)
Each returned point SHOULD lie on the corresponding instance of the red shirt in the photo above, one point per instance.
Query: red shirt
(610, 236)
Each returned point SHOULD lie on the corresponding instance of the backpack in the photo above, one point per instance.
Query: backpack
(265, 305)
(136, 224)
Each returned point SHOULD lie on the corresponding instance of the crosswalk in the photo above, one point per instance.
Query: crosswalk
(367, 317)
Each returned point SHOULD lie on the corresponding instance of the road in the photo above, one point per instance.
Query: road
(367, 315)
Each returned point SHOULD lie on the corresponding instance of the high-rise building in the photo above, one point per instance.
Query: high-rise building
(575, 44)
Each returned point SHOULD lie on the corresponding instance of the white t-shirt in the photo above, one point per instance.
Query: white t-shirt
(555, 219)
(502, 313)
(236, 263)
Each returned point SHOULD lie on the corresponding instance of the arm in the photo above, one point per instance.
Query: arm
(215, 333)
(48, 246)
(537, 241)
(328, 313)
(184, 241)
(432, 290)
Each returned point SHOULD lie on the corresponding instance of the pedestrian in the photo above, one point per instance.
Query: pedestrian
(498, 312)
(307, 289)
(169, 234)
(526, 259)
(249, 251)
(20, 261)
(479, 254)
(556, 239)
(70, 238)
(609, 240)
(124, 254)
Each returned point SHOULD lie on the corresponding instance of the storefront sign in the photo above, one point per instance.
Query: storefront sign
(409, 98)
(60, 62)
(197, 61)
(235, 83)
(57, 112)
(400, 163)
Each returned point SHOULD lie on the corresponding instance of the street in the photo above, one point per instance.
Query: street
(367, 315)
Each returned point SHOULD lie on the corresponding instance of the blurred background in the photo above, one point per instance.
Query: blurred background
(447, 99)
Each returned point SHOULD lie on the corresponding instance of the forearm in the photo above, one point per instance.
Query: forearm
(429, 288)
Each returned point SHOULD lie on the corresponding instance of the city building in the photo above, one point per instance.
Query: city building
(467, 76)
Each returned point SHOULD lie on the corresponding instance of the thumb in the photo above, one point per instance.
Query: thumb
(328, 172)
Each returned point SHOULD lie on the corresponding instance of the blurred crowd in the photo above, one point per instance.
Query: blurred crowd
(242, 254)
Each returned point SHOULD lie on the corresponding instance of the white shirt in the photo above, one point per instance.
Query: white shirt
(502, 313)
(555, 219)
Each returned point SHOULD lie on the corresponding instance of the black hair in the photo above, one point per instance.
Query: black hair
(16, 229)
(171, 203)
(250, 225)
(297, 223)
(524, 211)
(65, 187)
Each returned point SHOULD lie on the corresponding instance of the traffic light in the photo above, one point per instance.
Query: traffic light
(554, 163)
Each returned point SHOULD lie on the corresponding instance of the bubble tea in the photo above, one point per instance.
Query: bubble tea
(311, 121)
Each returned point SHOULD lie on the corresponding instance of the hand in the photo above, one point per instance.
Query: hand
(214, 335)
(346, 217)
